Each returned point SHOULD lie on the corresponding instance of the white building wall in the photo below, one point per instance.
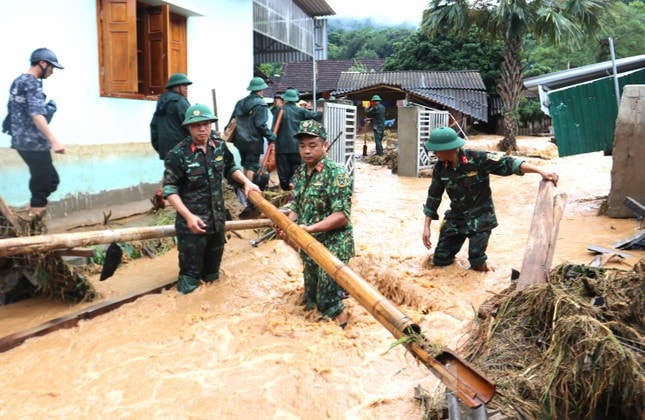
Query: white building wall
(220, 56)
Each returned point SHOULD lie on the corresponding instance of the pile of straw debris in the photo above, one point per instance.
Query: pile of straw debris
(571, 348)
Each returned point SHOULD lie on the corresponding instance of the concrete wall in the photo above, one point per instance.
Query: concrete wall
(628, 153)
(109, 137)
(408, 141)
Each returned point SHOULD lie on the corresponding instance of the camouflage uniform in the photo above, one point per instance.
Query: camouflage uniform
(26, 99)
(327, 190)
(197, 178)
(471, 214)
(377, 117)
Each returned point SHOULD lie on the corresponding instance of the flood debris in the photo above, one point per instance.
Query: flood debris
(573, 347)
(45, 274)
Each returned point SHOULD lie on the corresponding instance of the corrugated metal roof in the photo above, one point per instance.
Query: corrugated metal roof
(582, 74)
(465, 79)
(463, 90)
(299, 74)
(315, 7)
(470, 102)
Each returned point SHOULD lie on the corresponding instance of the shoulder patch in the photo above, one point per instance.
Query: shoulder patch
(493, 156)
(342, 180)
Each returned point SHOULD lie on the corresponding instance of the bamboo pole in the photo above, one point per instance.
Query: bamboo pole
(42, 243)
(468, 384)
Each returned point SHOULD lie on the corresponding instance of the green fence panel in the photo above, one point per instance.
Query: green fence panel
(584, 116)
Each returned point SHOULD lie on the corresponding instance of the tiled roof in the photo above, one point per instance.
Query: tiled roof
(299, 75)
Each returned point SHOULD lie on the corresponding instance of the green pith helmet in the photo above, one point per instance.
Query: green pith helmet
(291, 95)
(44, 54)
(444, 138)
(198, 113)
(376, 98)
(178, 79)
(257, 83)
(311, 128)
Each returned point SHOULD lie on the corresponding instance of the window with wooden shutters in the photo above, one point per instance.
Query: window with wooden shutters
(140, 46)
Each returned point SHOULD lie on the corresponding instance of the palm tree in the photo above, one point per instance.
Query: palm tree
(510, 21)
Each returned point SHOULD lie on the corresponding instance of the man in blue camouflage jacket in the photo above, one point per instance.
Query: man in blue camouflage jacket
(28, 124)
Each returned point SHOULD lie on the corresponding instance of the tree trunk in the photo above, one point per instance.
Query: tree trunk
(511, 90)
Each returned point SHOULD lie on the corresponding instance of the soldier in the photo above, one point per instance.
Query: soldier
(28, 125)
(464, 175)
(286, 145)
(166, 129)
(376, 114)
(322, 201)
(193, 178)
(251, 119)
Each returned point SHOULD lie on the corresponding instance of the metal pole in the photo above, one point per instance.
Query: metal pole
(313, 20)
(613, 63)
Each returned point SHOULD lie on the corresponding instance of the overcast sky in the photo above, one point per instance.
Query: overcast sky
(381, 11)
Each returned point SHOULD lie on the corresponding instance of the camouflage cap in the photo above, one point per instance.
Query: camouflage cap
(311, 128)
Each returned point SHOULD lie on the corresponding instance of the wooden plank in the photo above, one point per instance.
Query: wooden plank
(634, 206)
(542, 237)
(602, 250)
(13, 340)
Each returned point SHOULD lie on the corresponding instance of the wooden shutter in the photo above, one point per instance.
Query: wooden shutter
(177, 45)
(118, 49)
(155, 57)
(164, 47)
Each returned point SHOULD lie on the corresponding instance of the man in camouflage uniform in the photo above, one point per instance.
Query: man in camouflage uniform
(322, 201)
(464, 175)
(28, 124)
(376, 114)
(251, 115)
(286, 145)
(195, 169)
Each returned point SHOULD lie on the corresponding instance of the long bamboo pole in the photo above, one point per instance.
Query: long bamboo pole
(41, 243)
(468, 384)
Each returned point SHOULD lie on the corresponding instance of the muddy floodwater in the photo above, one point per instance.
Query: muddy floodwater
(243, 347)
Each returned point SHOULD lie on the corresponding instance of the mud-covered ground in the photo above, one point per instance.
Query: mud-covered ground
(243, 347)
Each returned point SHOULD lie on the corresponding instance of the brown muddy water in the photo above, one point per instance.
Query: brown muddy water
(243, 347)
